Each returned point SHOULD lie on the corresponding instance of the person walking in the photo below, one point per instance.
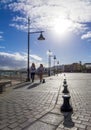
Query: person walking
(33, 71)
(40, 72)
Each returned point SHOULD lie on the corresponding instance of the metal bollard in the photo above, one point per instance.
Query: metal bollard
(43, 81)
(68, 120)
(65, 89)
(64, 82)
(66, 107)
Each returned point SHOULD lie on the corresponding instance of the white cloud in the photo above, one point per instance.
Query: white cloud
(16, 60)
(19, 19)
(43, 14)
(12, 61)
(86, 36)
(19, 27)
(16, 56)
(36, 57)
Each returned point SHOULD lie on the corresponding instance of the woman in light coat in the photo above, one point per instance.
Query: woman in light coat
(40, 72)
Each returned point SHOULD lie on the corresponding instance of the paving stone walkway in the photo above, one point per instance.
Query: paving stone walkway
(37, 106)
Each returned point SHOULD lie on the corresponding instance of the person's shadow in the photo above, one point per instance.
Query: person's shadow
(33, 85)
(68, 120)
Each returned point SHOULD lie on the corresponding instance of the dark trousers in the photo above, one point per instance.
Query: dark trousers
(32, 76)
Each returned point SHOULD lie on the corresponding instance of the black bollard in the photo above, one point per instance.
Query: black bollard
(65, 89)
(66, 107)
(64, 75)
(64, 82)
(43, 81)
(68, 120)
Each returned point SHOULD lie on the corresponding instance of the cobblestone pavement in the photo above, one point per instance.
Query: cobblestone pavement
(37, 106)
(25, 105)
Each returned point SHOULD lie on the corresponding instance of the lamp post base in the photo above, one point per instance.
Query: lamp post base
(49, 73)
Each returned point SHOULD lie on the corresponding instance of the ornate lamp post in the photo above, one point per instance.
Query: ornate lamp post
(49, 62)
(40, 38)
(54, 63)
(57, 66)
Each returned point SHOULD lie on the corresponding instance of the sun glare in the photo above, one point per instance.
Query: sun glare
(61, 27)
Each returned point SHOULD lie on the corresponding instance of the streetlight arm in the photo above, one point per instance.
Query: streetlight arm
(36, 32)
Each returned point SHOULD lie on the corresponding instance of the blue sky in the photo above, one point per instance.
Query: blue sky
(66, 26)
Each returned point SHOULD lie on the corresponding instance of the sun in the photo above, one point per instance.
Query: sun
(61, 27)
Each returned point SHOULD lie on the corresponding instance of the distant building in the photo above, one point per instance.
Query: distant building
(68, 68)
(87, 67)
(74, 67)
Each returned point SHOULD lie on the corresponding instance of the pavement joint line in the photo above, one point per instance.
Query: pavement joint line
(48, 123)
(38, 119)
(59, 124)
(58, 95)
(56, 126)
(55, 113)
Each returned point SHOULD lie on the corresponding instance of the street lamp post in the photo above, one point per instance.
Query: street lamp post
(57, 66)
(54, 63)
(49, 62)
(28, 78)
(28, 59)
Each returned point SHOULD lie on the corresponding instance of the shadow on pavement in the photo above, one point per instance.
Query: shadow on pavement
(33, 85)
(68, 120)
(21, 85)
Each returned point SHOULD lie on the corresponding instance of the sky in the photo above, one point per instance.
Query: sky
(66, 26)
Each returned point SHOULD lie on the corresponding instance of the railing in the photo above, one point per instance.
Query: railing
(14, 76)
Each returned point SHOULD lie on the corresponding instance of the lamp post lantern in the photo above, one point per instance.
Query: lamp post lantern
(28, 52)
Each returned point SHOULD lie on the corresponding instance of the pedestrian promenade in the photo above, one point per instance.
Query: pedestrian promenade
(37, 106)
